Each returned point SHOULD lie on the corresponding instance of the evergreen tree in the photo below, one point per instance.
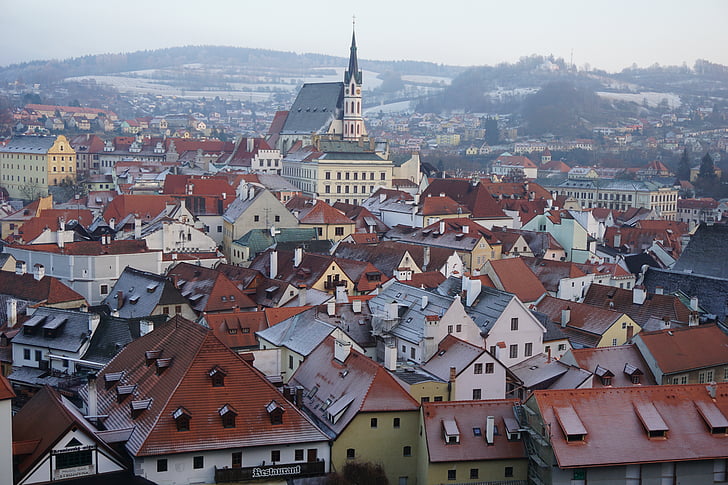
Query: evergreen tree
(707, 170)
(683, 168)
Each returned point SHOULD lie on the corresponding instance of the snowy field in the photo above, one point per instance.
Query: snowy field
(653, 99)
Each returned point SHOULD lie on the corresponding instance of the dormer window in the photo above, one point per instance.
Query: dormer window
(450, 431)
(571, 425)
(122, 392)
(162, 365)
(228, 415)
(182, 418)
(651, 420)
(715, 420)
(633, 372)
(151, 356)
(605, 375)
(139, 406)
(217, 375)
(112, 379)
(275, 411)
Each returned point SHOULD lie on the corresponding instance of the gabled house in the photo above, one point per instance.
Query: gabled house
(474, 195)
(363, 409)
(621, 366)
(587, 325)
(540, 244)
(52, 441)
(237, 329)
(194, 410)
(467, 442)
(543, 372)
(571, 235)
(514, 276)
(138, 294)
(628, 435)
(329, 223)
(509, 331)
(562, 279)
(208, 290)
(686, 355)
(253, 208)
(472, 373)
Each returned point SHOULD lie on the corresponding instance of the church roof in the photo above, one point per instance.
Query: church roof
(315, 107)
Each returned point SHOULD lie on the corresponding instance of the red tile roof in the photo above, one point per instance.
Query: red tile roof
(48, 219)
(476, 198)
(317, 212)
(615, 359)
(687, 348)
(145, 206)
(654, 306)
(615, 434)
(583, 318)
(237, 329)
(516, 277)
(437, 205)
(468, 415)
(48, 289)
(426, 279)
(207, 289)
(90, 248)
(6, 389)
(194, 352)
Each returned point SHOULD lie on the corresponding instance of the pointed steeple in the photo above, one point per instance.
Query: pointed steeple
(353, 62)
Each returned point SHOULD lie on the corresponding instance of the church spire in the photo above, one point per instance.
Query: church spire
(353, 70)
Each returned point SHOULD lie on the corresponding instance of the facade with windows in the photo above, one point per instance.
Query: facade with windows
(31, 164)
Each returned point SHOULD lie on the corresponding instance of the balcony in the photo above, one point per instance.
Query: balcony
(331, 285)
(277, 472)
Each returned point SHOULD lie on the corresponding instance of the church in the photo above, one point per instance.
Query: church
(332, 110)
(327, 152)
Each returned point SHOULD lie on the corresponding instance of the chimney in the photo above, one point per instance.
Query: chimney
(431, 336)
(442, 227)
(249, 145)
(341, 350)
(382, 197)
(273, 265)
(466, 229)
(297, 257)
(617, 239)
(299, 396)
(356, 306)
(665, 322)
(694, 304)
(302, 289)
(20, 267)
(548, 354)
(331, 308)
(472, 289)
(424, 301)
(145, 326)
(712, 388)
(38, 271)
(390, 357)
(137, 228)
(694, 319)
(425, 258)
(565, 316)
(12, 312)
(119, 300)
(392, 311)
(93, 398)
(490, 430)
(639, 295)
(341, 296)
(453, 374)
(630, 332)
(93, 322)
(659, 290)
(59, 233)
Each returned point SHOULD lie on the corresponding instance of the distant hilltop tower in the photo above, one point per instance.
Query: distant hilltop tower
(353, 121)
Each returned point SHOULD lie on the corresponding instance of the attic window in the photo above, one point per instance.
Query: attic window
(450, 431)
(182, 419)
(477, 432)
(571, 425)
(152, 287)
(633, 372)
(151, 355)
(228, 415)
(122, 392)
(134, 299)
(112, 378)
(512, 429)
(139, 406)
(651, 420)
(217, 375)
(162, 365)
(275, 411)
(604, 374)
(713, 417)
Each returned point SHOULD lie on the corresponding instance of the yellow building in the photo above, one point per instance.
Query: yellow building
(338, 171)
(370, 416)
(29, 165)
(328, 222)
(470, 442)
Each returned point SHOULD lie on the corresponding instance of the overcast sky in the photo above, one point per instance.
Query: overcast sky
(607, 34)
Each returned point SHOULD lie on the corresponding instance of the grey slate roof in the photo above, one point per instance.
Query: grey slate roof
(29, 144)
(141, 292)
(301, 333)
(706, 251)
(487, 307)
(113, 334)
(315, 107)
(712, 292)
(411, 314)
(258, 240)
(71, 329)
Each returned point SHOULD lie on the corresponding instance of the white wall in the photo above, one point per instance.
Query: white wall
(492, 386)
(6, 442)
(529, 331)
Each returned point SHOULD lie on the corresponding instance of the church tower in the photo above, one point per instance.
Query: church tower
(353, 121)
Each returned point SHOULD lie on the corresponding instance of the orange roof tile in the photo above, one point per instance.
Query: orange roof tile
(687, 348)
(517, 278)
